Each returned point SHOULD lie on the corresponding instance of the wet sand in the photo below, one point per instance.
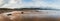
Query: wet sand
(39, 15)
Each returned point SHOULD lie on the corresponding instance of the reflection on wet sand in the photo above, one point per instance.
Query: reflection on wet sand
(28, 15)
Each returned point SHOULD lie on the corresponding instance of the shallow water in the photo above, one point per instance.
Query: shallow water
(50, 13)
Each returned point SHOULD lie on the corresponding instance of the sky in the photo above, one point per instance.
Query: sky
(29, 3)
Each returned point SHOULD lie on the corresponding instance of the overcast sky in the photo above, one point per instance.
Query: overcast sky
(29, 3)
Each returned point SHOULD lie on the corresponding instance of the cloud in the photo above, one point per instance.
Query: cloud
(48, 3)
(44, 3)
(32, 3)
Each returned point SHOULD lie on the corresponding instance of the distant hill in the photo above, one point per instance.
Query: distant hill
(35, 9)
(23, 9)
